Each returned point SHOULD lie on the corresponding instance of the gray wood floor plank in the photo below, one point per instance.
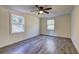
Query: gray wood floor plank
(41, 44)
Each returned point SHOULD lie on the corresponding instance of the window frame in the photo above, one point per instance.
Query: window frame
(51, 24)
(10, 22)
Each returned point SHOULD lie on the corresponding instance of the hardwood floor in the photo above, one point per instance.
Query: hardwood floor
(41, 45)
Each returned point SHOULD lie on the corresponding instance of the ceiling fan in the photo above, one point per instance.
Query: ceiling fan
(42, 9)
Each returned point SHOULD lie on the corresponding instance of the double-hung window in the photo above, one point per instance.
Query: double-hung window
(17, 23)
(51, 24)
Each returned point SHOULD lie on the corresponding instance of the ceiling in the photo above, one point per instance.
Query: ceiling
(57, 10)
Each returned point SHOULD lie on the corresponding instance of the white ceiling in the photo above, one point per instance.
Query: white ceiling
(57, 10)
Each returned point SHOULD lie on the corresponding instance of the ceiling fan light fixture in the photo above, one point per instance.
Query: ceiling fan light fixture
(42, 9)
(40, 12)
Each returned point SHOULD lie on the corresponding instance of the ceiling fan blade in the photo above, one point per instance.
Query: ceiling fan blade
(46, 12)
(47, 8)
(37, 6)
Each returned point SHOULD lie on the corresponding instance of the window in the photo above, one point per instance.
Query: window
(50, 24)
(17, 23)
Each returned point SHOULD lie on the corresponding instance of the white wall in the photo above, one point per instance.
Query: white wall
(62, 26)
(31, 28)
(75, 27)
(43, 26)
